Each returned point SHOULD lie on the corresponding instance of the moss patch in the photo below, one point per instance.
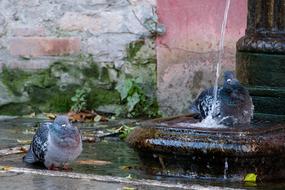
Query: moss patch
(50, 90)
(16, 109)
(99, 96)
(133, 49)
(52, 99)
(14, 80)
(141, 52)
(91, 71)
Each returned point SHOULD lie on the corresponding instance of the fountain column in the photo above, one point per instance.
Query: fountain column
(261, 57)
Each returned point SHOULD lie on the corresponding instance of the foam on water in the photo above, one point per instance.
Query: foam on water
(208, 122)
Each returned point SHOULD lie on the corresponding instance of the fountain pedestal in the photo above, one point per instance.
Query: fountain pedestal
(174, 146)
(261, 57)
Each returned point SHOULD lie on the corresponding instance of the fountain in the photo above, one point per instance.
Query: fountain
(175, 147)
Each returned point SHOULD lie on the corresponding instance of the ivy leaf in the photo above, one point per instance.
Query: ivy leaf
(124, 88)
(74, 99)
(139, 80)
(132, 101)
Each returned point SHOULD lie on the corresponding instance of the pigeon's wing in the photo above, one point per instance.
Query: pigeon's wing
(39, 144)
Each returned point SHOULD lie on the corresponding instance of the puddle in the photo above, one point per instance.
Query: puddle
(43, 182)
(111, 157)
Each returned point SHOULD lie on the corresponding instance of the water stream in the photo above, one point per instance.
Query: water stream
(209, 121)
(221, 51)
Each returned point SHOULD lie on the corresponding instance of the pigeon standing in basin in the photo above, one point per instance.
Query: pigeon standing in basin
(55, 144)
(233, 105)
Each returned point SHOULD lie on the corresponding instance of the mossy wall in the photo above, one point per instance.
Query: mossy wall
(50, 89)
(45, 56)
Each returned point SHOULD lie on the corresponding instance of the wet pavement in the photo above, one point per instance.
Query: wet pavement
(111, 156)
(30, 181)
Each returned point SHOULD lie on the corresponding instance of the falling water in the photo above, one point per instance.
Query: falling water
(209, 122)
(226, 167)
(221, 52)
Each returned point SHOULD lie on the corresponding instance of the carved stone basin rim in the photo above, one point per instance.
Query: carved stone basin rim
(167, 135)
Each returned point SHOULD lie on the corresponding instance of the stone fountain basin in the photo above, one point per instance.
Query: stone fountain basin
(177, 135)
(257, 148)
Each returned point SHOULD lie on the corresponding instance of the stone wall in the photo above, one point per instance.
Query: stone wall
(50, 48)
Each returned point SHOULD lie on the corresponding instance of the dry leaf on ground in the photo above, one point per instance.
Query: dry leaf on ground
(94, 162)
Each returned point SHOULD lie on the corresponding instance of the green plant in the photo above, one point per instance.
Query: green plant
(80, 99)
(123, 131)
(136, 100)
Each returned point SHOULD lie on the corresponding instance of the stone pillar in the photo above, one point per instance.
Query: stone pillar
(261, 57)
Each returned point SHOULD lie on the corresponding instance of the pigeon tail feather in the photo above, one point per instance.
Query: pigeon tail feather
(30, 157)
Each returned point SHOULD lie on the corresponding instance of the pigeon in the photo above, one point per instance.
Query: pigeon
(55, 144)
(233, 106)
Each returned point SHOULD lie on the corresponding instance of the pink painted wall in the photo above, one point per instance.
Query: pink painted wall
(187, 53)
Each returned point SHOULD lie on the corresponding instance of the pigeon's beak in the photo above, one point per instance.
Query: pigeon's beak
(63, 125)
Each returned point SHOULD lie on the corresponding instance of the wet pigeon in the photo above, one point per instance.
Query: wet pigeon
(55, 144)
(233, 105)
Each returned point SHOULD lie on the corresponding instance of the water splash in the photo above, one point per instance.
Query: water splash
(209, 121)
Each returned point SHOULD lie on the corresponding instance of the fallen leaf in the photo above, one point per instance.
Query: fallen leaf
(129, 188)
(5, 168)
(250, 177)
(126, 167)
(29, 132)
(24, 141)
(97, 118)
(89, 139)
(32, 115)
(94, 162)
(86, 116)
(115, 130)
(129, 177)
(50, 115)
(23, 149)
